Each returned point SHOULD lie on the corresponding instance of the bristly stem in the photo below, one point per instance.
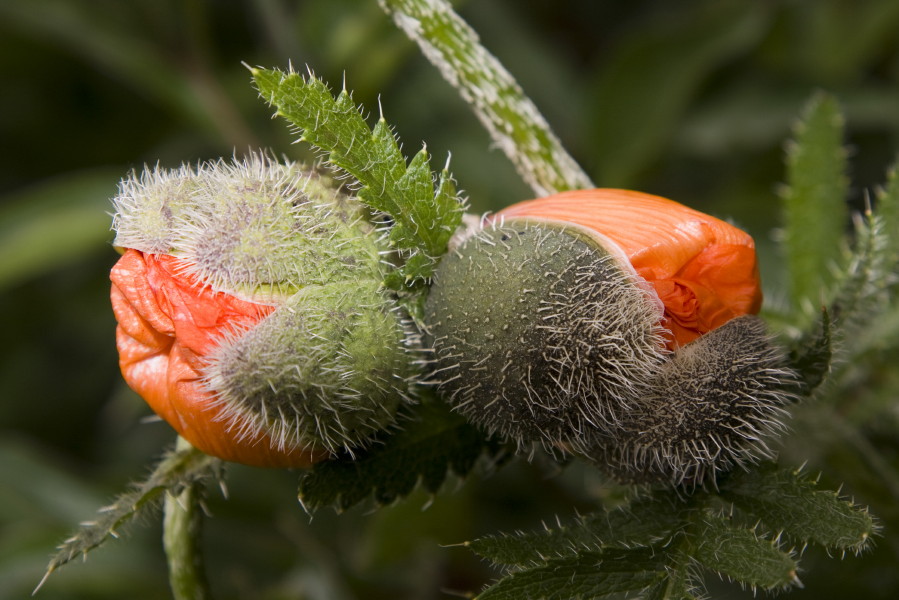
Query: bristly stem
(512, 119)
(182, 536)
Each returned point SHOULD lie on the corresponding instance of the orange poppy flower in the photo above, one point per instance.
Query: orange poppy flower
(704, 270)
(167, 323)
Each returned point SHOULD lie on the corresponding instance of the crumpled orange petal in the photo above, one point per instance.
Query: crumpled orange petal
(704, 270)
(167, 323)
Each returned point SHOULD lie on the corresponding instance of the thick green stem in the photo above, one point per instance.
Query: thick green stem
(182, 529)
(512, 119)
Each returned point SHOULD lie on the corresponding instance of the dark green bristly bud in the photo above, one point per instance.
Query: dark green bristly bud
(715, 404)
(542, 332)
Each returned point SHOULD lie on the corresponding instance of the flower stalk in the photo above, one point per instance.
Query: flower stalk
(182, 540)
(512, 119)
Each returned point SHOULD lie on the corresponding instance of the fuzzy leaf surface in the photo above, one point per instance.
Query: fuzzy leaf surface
(861, 296)
(424, 217)
(815, 200)
(177, 471)
(433, 440)
(742, 555)
(813, 357)
(614, 573)
(645, 522)
(784, 500)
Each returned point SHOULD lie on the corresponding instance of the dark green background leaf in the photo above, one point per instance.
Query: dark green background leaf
(592, 575)
(432, 441)
(790, 502)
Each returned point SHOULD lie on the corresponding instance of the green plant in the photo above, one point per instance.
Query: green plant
(658, 544)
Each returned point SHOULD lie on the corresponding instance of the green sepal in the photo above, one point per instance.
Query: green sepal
(785, 500)
(432, 442)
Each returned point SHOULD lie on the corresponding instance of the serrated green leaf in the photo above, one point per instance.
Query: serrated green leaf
(433, 440)
(815, 208)
(645, 522)
(860, 293)
(786, 501)
(615, 573)
(425, 218)
(740, 554)
(177, 471)
(813, 357)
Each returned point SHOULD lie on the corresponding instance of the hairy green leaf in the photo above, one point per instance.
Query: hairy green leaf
(177, 471)
(813, 357)
(678, 585)
(863, 295)
(860, 295)
(740, 554)
(815, 201)
(514, 122)
(614, 573)
(432, 441)
(787, 501)
(424, 218)
(645, 522)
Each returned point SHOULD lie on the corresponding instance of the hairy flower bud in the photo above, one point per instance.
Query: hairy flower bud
(613, 325)
(251, 312)
(542, 333)
(704, 270)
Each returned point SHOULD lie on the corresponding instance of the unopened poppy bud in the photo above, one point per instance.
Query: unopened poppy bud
(251, 312)
(542, 333)
(614, 325)
(704, 270)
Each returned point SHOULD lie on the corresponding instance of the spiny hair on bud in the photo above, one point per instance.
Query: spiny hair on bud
(327, 370)
(255, 228)
(715, 405)
(541, 333)
(148, 206)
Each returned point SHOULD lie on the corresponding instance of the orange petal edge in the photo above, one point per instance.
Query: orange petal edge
(703, 269)
(167, 323)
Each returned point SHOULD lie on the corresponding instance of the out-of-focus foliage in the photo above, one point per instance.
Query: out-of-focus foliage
(690, 100)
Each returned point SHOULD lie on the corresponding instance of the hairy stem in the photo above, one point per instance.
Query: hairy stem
(182, 529)
(512, 119)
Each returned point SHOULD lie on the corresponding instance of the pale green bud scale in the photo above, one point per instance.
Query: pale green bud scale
(331, 365)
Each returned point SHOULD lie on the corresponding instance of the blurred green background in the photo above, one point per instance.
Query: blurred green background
(691, 100)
